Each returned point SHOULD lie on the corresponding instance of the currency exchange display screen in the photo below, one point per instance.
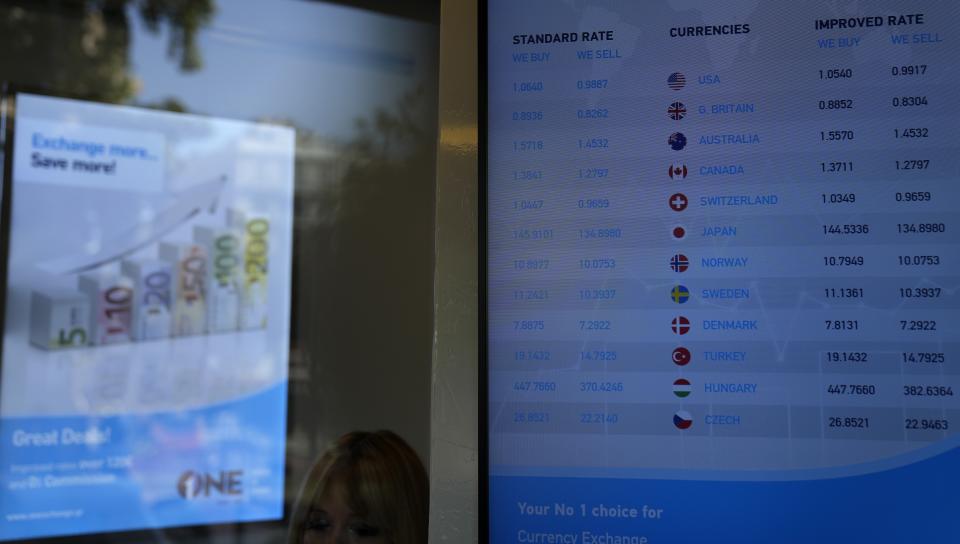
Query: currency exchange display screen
(145, 341)
(723, 260)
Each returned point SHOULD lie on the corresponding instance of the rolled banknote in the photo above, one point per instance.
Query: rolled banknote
(59, 319)
(224, 273)
(188, 307)
(153, 293)
(256, 250)
(111, 300)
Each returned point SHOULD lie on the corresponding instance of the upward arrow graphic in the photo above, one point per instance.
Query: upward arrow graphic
(188, 205)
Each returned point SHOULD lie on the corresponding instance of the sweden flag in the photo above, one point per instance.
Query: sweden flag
(680, 294)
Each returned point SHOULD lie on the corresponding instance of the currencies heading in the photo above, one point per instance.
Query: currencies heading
(709, 30)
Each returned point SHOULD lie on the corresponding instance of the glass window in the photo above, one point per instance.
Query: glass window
(218, 228)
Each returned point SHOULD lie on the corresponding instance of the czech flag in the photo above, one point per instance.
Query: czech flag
(682, 419)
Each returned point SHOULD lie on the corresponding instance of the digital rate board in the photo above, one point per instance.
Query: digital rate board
(722, 271)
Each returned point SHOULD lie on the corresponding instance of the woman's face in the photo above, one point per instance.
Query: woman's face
(331, 521)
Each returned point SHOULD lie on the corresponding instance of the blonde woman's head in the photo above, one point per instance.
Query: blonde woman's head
(368, 488)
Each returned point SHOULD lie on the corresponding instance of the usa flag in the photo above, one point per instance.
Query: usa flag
(677, 111)
(676, 81)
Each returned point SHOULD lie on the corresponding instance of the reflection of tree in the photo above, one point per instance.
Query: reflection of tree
(392, 133)
(185, 18)
(167, 104)
(364, 279)
(80, 47)
(376, 231)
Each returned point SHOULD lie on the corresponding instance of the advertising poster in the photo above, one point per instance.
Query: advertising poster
(144, 369)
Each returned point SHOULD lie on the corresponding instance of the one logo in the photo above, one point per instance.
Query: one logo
(678, 202)
(682, 388)
(677, 111)
(680, 325)
(679, 263)
(681, 356)
(192, 484)
(679, 233)
(189, 484)
(680, 294)
(682, 419)
(677, 171)
(677, 141)
(676, 81)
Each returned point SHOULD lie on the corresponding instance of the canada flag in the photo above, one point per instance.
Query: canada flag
(678, 171)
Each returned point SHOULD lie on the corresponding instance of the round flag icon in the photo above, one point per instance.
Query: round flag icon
(682, 419)
(676, 81)
(682, 388)
(681, 356)
(679, 263)
(677, 111)
(679, 233)
(680, 294)
(677, 171)
(677, 141)
(678, 202)
(680, 325)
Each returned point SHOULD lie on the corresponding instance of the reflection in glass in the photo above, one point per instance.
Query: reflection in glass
(368, 488)
(357, 91)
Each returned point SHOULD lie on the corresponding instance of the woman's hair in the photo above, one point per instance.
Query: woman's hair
(383, 481)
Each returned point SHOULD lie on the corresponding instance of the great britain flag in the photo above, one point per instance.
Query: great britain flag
(677, 111)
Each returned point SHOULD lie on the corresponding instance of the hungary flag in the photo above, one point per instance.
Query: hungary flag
(682, 419)
(682, 388)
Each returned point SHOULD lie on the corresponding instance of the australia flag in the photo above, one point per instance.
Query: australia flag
(677, 141)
